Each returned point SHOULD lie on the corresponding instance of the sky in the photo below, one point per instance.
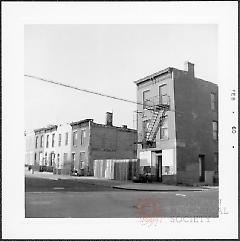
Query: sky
(106, 59)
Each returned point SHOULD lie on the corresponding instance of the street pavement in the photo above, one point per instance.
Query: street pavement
(52, 196)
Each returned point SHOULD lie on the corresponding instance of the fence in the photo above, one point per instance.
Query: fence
(123, 169)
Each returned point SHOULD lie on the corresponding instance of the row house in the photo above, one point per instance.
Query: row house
(93, 141)
(178, 126)
(30, 148)
(73, 147)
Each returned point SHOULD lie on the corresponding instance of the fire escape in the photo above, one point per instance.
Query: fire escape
(157, 106)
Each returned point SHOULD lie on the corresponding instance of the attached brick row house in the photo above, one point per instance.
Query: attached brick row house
(73, 147)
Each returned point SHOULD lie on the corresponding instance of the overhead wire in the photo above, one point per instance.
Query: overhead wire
(82, 89)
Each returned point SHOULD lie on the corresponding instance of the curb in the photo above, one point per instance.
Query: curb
(161, 190)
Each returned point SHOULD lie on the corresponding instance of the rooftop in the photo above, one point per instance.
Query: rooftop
(80, 122)
(169, 69)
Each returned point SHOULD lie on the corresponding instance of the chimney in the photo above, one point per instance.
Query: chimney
(189, 67)
(109, 119)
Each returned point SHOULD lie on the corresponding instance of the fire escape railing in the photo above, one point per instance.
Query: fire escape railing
(158, 105)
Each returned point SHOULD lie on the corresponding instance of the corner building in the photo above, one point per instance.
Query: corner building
(178, 126)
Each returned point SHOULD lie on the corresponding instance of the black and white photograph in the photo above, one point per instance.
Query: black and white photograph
(123, 122)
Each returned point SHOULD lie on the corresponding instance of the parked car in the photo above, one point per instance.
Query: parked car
(143, 178)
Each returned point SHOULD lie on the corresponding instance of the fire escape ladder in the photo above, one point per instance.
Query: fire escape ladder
(155, 124)
(151, 125)
(159, 123)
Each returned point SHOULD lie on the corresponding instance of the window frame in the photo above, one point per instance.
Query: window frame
(59, 139)
(215, 131)
(75, 138)
(213, 102)
(164, 128)
(66, 138)
(144, 98)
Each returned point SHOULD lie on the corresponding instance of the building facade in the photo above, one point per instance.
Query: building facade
(30, 148)
(49, 147)
(39, 160)
(62, 164)
(178, 126)
(69, 148)
(92, 141)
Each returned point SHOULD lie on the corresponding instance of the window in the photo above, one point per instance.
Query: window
(213, 101)
(41, 143)
(81, 160)
(164, 129)
(58, 161)
(146, 98)
(59, 139)
(53, 137)
(45, 158)
(47, 141)
(163, 98)
(215, 130)
(83, 136)
(36, 142)
(66, 138)
(35, 156)
(145, 128)
(215, 160)
(75, 138)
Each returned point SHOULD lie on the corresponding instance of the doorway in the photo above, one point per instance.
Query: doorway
(159, 168)
(201, 160)
(73, 162)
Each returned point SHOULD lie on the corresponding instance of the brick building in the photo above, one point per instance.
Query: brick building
(67, 147)
(178, 126)
(92, 141)
(49, 147)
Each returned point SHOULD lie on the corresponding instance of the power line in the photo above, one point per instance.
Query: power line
(81, 89)
(87, 91)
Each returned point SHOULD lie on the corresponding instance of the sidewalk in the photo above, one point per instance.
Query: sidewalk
(125, 185)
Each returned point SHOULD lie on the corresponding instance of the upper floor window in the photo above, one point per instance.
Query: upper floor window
(146, 128)
(53, 137)
(83, 136)
(47, 141)
(215, 130)
(66, 138)
(36, 142)
(59, 139)
(213, 101)
(146, 98)
(164, 128)
(163, 98)
(41, 143)
(75, 138)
